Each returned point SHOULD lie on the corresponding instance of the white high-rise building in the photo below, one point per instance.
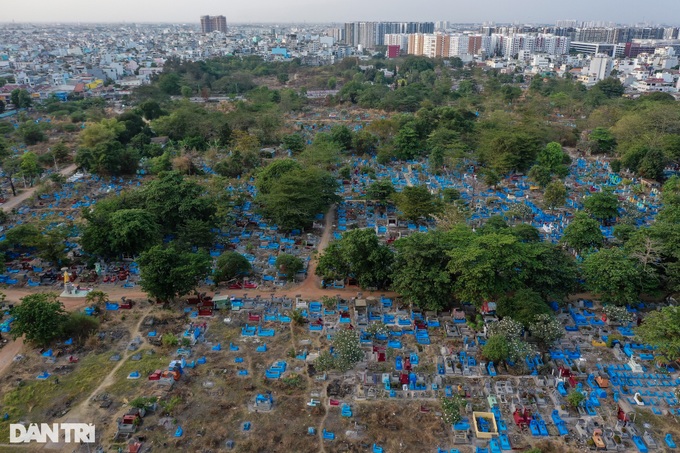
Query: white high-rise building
(600, 67)
(397, 39)
(459, 45)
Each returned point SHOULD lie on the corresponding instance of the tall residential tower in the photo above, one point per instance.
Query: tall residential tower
(210, 24)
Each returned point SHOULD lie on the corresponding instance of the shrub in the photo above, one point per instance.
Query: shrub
(80, 326)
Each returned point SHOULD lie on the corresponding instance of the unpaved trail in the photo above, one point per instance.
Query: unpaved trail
(312, 282)
(26, 194)
(82, 413)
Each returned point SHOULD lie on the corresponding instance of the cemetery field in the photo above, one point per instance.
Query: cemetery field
(248, 376)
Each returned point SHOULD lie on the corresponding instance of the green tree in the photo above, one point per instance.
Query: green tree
(420, 273)
(173, 199)
(186, 91)
(546, 329)
(548, 270)
(231, 265)
(555, 195)
(20, 98)
(601, 140)
(508, 151)
(30, 168)
(491, 177)
(406, 143)
(61, 152)
(496, 349)
(602, 205)
(272, 172)
(133, 231)
(107, 130)
(416, 202)
(541, 175)
(341, 135)
(40, 318)
(289, 265)
(169, 272)
(348, 349)
(575, 398)
(294, 142)
(23, 236)
(150, 110)
(380, 190)
(31, 133)
(359, 254)
(364, 142)
(485, 268)
(653, 165)
(294, 198)
(523, 306)
(613, 275)
(610, 87)
(661, 329)
(169, 83)
(583, 233)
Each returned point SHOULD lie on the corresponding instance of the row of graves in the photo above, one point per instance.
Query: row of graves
(423, 356)
(58, 208)
(585, 177)
(415, 356)
(261, 242)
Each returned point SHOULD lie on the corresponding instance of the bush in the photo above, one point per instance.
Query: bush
(169, 340)
(575, 398)
(80, 326)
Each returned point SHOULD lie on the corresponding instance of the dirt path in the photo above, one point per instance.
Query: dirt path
(26, 194)
(82, 412)
(312, 282)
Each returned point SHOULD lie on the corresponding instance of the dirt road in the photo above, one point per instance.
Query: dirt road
(26, 194)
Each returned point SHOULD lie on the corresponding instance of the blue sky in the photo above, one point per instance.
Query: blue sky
(521, 11)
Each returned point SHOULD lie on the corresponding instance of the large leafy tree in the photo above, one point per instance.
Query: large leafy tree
(522, 306)
(20, 98)
(601, 140)
(496, 349)
(420, 273)
(132, 231)
(173, 200)
(358, 254)
(661, 328)
(294, 142)
(416, 202)
(548, 270)
(510, 150)
(602, 205)
(231, 265)
(555, 195)
(294, 198)
(486, 267)
(347, 348)
(40, 318)
(666, 235)
(583, 233)
(613, 275)
(289, 265)
(11, 166)
(171, 272)
(380, 191)
(546, 329)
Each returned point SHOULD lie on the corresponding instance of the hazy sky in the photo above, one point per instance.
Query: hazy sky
(522, 11)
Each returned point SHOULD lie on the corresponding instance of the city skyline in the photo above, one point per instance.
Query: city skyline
(298, 11)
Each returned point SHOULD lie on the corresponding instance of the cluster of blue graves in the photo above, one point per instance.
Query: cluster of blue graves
(591, 176)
